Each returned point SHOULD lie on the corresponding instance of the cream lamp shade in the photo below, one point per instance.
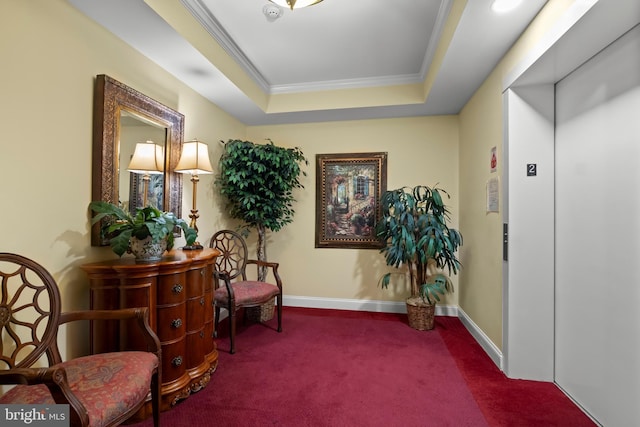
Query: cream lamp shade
(295, 4)
(148, 158)
(194, 158)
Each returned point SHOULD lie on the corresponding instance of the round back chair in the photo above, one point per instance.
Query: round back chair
(239, 292)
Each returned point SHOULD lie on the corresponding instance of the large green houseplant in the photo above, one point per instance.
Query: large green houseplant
(416, 236)
(149, 223)
(257, 181)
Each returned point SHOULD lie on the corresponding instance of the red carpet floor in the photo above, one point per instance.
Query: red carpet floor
(507, 402)
(340, 368)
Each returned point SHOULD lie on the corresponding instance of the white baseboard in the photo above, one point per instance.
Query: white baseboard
(487, 345)
(360, 305)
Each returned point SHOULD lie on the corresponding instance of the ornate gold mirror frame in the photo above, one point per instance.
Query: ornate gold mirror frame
(112, 101)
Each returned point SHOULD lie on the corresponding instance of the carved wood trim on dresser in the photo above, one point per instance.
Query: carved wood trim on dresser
(179, 293)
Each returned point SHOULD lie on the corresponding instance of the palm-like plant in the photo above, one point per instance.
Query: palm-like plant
(121, 226)
(415, 233)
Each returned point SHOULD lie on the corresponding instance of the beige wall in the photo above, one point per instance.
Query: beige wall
(50, 56)
(421, 150)
(480, 130)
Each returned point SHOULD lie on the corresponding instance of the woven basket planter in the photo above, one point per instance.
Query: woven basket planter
(421, 315)
(262, 313)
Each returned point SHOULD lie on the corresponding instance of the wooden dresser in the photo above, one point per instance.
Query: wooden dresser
(178, 291)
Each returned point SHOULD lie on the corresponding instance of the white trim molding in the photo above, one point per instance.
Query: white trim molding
(360, 305)
(487, 345)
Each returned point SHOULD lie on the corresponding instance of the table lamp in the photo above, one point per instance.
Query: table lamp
(194, 160)
(147, 159)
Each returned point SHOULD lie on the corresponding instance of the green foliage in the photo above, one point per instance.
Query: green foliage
(414, 230)
(258, 182)
(120, 226)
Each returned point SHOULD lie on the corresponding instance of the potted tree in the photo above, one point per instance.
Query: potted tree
(146, 235)
(257, 181)
(415, 233)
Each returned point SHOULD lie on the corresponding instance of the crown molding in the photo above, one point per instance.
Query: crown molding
(213, 27)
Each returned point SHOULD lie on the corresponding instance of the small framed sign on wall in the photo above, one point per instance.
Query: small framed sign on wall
(493, 159)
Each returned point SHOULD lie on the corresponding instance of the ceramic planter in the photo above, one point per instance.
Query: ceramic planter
(145, 250)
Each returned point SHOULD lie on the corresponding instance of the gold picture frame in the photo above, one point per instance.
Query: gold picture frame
(348, 192)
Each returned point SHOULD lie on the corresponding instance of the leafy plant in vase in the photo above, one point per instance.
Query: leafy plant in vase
(257, 182)
(147, 234)
(415, 233)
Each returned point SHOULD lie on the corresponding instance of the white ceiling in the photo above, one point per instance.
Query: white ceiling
(383, 48)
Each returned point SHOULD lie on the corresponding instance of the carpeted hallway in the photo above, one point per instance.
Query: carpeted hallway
(343, 368)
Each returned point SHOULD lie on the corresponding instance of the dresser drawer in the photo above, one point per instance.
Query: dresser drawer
(171, 322)
(208, 306)
(195, 313)
(172, 288)
(209, 341)
(196, 342)
(174, 360)
(208, 277)
(195, 282)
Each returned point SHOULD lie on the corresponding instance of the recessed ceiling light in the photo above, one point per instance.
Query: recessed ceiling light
(503, 6)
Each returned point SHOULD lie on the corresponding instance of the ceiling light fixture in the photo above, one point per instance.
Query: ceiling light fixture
(295, 4)
(504, 6)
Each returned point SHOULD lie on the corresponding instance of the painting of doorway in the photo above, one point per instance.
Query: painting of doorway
(348, 192)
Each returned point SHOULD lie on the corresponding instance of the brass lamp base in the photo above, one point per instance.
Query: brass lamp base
(193, 247)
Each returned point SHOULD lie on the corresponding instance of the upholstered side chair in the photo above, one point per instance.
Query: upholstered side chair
(102, 389)
(239, 292)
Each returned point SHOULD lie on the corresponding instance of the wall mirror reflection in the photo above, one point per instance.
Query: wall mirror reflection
(124, 118)
(141, 160)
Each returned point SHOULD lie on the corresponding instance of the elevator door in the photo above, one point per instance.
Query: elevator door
(597, 294)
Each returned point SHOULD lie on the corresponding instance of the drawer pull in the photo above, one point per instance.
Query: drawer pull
(201, 334)
(202, 302)
(176, 323)
(177, 288)
(177, 361)
(202, 273)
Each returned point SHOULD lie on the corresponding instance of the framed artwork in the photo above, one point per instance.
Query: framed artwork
(155, 194)
(348, 192)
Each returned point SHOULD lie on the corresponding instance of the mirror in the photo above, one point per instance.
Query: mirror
(122, 117)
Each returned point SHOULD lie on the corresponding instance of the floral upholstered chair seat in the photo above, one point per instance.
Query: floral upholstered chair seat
(106, 384)
(247, 293)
